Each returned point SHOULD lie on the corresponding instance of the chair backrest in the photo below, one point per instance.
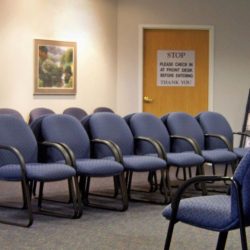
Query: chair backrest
(215, 123)
(103, 109)
(15, 132)
(148, 125)
(66, 129)
(242, 176)
(109, 126)
(38, 112)
(180, 123)
(78, 113)
(7, 111)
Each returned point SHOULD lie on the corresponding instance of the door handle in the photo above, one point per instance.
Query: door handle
(147, 99)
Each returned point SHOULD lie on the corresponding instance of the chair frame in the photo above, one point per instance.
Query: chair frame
(164, 176)
(25, 189)
(84, 182)
(74, 193)
(223, 234)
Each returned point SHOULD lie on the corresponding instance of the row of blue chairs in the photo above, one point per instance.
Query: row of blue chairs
(35, 113)
(140, 143)
(76, 112)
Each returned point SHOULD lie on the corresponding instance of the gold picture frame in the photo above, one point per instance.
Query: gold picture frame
(55, 67)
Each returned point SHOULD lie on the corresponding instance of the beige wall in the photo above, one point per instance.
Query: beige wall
(91, 23)
(230, 20)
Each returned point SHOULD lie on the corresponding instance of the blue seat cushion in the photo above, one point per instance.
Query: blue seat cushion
(98, 167)
(219, 156)
(209, 212)
(184, 159)
(37, 172)
(141, 163)
(240, 152)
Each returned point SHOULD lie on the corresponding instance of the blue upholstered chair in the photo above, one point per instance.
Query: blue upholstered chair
(183, 124)
(215, 123)
(18, 162)
(148, 125)
(78, 113)
(70, 133)
(221, 213)
(111, 127)
(38, 112)
(103, 109)
(13, 112)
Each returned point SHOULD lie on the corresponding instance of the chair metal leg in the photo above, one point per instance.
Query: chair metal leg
(243, 237)
(75, 200)
(169, 234)
(123, 191)
(222, 240)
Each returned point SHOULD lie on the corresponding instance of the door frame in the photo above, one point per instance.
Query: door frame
(209, 28)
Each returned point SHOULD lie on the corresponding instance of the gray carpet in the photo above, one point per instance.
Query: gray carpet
(141, 227)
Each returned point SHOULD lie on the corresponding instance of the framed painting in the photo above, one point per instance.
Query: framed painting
(245, 140)
(55, 67)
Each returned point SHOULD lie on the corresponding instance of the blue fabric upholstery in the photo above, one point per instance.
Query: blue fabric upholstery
(215, 123)
(179, 123)
(109, 126)
(140, 163)
(38, 112)
(219, 155)
(49, 171)
(210, 212)
(37, 172)
(240, 152)
(66, 129)
(78, 113)
(15, 132)
(242, 176)
(148, 125)
(98, 167)
(103, 109)
(217, 212)
(7, 111)
(112, 127)
(186, 159)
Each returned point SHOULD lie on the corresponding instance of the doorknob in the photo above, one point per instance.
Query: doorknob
(147, 99)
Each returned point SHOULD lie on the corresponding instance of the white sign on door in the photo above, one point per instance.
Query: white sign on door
(176, 68)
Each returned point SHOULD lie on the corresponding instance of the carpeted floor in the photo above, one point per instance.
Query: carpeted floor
(141, 227)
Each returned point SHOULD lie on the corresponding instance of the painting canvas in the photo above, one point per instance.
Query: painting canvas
(55, 67)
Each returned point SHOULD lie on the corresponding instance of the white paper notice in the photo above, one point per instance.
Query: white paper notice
(176, 68)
